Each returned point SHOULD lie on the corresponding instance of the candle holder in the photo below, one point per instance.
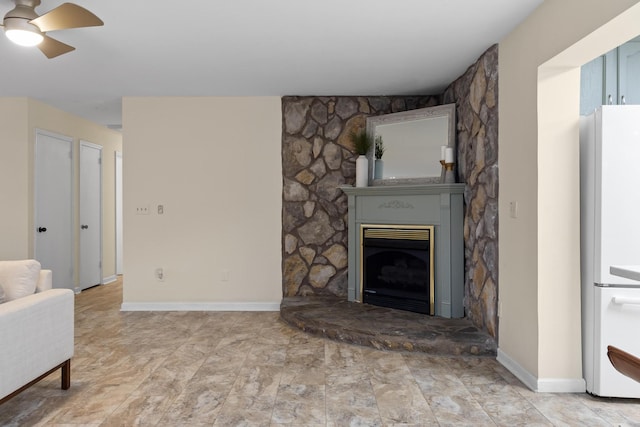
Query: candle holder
(449, 177)
(443, 172)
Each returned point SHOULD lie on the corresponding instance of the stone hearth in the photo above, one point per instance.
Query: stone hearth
(385, 328)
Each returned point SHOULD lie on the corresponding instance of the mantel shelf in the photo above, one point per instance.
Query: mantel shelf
(387, 190)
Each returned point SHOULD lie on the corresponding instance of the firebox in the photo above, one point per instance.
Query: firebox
(396, 266)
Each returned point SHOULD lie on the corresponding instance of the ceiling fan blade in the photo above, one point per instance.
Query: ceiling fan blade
(67, 15)
(52, 47)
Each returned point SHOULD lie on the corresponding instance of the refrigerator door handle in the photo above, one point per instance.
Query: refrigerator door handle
(625, 300)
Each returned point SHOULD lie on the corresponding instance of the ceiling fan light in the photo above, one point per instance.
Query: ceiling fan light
(24, 37)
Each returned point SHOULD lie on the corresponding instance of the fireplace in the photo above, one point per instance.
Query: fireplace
(397, 263)
(436, 208)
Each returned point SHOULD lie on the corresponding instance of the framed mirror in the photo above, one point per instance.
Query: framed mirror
(412, 142)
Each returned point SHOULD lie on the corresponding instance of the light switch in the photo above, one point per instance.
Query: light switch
(513, 209)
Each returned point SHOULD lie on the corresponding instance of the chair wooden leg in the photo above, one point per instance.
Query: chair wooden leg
(66, 375)
(66, 380)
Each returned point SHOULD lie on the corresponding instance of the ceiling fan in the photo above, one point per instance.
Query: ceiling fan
(24, 26)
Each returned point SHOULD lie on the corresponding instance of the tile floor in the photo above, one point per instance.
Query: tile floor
(250, 369)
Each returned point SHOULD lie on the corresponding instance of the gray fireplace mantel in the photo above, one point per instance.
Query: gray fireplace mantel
(440, 205)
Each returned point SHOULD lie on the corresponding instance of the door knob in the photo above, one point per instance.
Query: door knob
(84, 226)
(42, 229)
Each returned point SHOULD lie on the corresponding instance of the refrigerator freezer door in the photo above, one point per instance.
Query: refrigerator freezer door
(617, 324)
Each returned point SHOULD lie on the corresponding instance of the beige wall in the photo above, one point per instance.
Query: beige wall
(540, 337)
(15, 179)
(215, 166)
(19, 119)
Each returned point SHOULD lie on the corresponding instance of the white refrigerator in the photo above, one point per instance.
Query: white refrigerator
(610, 241)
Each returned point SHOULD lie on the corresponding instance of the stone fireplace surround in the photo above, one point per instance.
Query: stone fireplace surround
(317, 158)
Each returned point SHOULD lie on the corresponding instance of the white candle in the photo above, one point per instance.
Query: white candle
(443, 150)
(448, 157)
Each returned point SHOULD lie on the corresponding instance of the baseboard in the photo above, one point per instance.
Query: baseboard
(516, 369)
(562, 385)
(544, 385)
(200, 306)
(109, 279)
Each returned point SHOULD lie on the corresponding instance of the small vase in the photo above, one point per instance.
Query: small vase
(378, 168)
(362, 171)
(449, 177)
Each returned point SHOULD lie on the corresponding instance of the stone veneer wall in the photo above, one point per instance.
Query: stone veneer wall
(476, 96)
(317, 158)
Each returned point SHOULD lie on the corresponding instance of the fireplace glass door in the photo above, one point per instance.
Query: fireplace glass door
(397, 267)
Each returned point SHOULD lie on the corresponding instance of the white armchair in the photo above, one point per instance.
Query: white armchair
(36, 330)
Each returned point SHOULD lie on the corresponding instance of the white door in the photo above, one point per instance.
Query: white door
(118, 212)
(616, 229)
(90, 215)
(53, 206)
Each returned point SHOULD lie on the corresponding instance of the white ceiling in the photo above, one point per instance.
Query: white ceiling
(255, 48)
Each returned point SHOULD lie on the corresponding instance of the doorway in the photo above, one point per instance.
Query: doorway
(119, 211)
(90, 273)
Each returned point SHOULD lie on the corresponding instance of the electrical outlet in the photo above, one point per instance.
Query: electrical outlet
(160, 209)
(225, 274)
(160, 274)
(142, 210)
